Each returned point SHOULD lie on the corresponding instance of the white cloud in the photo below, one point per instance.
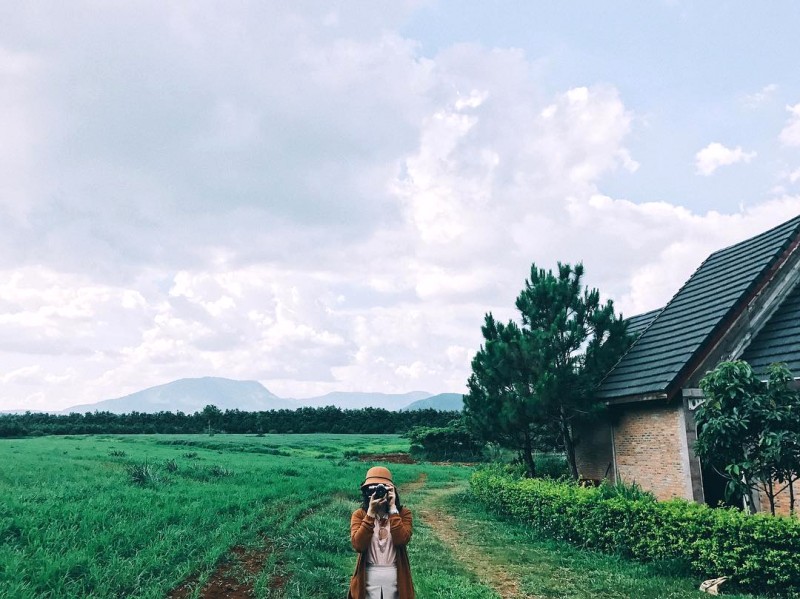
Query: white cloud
(790, 135)
(760, 97)
(24, 375)
(663, 244)
(715, 155)
(299, 197)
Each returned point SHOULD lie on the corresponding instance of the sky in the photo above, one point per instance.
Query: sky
(329, 196)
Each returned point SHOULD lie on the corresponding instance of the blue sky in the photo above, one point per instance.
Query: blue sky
(690, 70)
(329, 196)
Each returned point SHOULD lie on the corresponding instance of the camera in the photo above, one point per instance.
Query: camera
(380, 491)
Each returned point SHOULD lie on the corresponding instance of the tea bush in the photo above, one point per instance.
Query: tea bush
(758, 552)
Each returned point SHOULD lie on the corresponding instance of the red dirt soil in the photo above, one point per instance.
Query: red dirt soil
(391, 458)
(224, 582)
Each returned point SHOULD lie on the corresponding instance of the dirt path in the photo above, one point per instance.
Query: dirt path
(232, 579)
(414, 485)
(471, 555)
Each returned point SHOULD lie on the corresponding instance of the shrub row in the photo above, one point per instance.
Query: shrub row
(758, 552)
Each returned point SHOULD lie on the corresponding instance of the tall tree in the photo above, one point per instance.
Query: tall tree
(501, 404)
(541, 374)
(212, 415)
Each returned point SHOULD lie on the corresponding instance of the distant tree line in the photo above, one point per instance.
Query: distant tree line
(302, 420)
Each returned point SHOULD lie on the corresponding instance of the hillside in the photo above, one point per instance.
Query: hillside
(356, 400)
(192, 395)
(442, 402)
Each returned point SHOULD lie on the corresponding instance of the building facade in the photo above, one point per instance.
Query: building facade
(743, 302)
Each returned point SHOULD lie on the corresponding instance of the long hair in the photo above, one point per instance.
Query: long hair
(365, 499)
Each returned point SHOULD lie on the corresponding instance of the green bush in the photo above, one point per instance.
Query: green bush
(633, 491)
(548, 465)
(217, 470)
(551, 465)
(143, 474)
(452, 442)
(758, 552)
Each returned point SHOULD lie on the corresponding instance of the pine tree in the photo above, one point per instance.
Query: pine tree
(528, 380)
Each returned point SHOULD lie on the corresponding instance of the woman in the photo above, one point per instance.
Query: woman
(380, 530)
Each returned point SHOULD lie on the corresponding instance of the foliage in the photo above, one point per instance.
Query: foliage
(531, 382)
(551, 465)
(300, 421)
(451, 442)
(217, 470)
(622, 490)
(758, 552)
(144, 474)
(750, 430)
(550, 568)
(548, 465)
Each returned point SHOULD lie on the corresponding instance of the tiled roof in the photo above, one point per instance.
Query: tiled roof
(779, 340)
(637, 324)
(700, 309)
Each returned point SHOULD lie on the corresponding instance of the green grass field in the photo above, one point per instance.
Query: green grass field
(267, 516)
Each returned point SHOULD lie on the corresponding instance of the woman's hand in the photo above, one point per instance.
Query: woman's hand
(374, 504)
(391, 496)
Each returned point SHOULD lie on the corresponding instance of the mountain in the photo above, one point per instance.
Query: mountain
(443, 402)
(192, 395)
(355, 400)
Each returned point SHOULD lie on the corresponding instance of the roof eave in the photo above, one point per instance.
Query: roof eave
(638, 398)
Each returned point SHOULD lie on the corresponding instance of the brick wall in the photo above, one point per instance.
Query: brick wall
(782, 500)
(650, 449)
(593, 452)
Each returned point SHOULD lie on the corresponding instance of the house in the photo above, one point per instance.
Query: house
(743, 302)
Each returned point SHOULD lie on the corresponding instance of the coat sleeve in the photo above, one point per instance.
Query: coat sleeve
(361, 527)
(401, 525)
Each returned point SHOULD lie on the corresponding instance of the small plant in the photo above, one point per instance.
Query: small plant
(171, 466)
(631, 492)
(551, 465)
(494, 451)
(117, 453)
(217, 470)
(190, 455)
(143, 474)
